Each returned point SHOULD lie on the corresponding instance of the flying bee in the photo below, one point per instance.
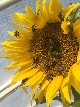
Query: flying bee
(70, 3)
(16, 33)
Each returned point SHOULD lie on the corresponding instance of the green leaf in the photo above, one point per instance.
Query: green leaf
(74, 16)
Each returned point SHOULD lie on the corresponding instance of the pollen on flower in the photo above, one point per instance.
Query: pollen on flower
(53, 51)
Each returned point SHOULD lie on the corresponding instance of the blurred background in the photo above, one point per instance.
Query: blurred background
(18, 98)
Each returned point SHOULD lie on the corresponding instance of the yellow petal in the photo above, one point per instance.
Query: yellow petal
(78, 56)
(27, 74)
(39, 95)
(46, 11)
(44, 17)
(11, 33)
(23, 32)
(63, 98)
(19, 56)
(78, 36)
(67, 8)
(37, 5)
(44, 84)
(65, 87)
(22, 19)
(65, 27)
(77, 23)
(76, 30)
(76, 71)
(14, 42)
(65, 24)
(34, 79)
(35, 85)
(7, 48)
(25, 90)
(66, 94)
(75, 83)
(38, 21)
(68, 13)
(16, 26)
(17, 44)
(42, 7)
(12, 65)
(53, 88)
(65, 82)
(31, 14)
(18, 64)
(56, 6)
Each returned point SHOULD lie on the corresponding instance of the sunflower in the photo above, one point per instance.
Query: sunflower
(45, 45)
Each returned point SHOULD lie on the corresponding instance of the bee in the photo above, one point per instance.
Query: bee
(49, 76)
(36, 60)
(60, 16)
(24, 80)
(70, 3)
(16, 33)
(33, 28)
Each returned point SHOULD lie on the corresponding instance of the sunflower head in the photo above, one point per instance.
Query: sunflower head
(46, 47)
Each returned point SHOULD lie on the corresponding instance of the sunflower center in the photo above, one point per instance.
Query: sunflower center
(53, 51)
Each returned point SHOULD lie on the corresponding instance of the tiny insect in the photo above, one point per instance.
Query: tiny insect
(60, 16)
(70, 3)
(16, 33)
(49, 76)
(33, 28)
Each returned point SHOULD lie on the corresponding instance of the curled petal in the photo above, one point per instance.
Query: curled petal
(65, 27)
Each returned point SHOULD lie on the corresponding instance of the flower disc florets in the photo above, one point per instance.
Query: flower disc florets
(52, 50)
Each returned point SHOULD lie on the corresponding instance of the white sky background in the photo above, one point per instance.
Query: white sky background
(19, 98)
